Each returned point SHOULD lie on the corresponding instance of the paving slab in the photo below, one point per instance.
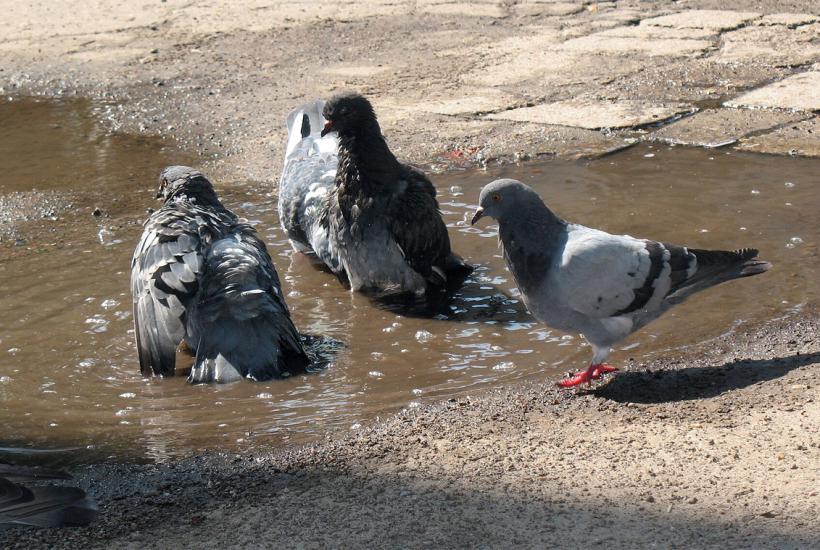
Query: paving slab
(521, 67)
(800, 92)
(470, 9)
(776, 45)
(802, 138)
(703, 19)
(789, 19)
(646, 32)
(594, 114)
(481, 101)
(535, 39)
(358, 71)
(718, 127)
(548, 9)
(652, 47)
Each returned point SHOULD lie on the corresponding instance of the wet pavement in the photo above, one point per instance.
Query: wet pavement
(69, 377)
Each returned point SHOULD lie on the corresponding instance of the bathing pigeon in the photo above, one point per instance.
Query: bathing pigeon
(201, 276)
(41, 505)
(365, 215)
(604, 286)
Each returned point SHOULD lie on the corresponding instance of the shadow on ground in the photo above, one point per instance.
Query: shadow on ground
(260, 506)
(665, 386)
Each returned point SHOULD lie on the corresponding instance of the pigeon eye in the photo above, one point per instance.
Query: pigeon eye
(343, 111)
(496, 197)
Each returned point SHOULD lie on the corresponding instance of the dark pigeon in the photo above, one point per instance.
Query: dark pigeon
(366, 216)
(604, 286)
(41, 505)
(201, 276)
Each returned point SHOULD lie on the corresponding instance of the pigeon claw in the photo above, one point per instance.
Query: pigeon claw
(594, 372)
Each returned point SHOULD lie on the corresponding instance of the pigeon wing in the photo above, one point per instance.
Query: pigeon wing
(602, 275)
(417, 227)
(165, 270)
(242, 323)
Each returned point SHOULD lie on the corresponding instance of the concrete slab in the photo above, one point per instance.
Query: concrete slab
(718, 127)
(788, 19)
(358, 71)
(645, 32)
(548, 9)
(594, 114)
(525, 66)
(478, 102)
(800, 92)
(652, 47)
(470, 9)
(802, 138)
(703, 19)
(538, 39)
(776, 45)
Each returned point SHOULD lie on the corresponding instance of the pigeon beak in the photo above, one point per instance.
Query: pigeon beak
(478, 215)
(328, 128)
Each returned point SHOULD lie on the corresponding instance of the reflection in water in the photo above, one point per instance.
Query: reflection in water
(69, 374)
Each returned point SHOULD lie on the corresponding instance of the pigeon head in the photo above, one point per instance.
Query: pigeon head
(347, 114)
(505, 198)
(175, 180)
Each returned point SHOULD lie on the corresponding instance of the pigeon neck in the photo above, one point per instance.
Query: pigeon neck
(200, 194)
(366, 152)
(529, 239)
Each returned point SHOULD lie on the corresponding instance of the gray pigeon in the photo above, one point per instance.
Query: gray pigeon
(41, 505)
(366, 216)
(604, 286)
(201, 276)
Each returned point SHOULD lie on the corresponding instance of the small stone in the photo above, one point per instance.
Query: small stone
(97, 213)
(650, 498)
(692, 500)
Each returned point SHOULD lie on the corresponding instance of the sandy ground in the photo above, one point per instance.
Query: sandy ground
(719, 447)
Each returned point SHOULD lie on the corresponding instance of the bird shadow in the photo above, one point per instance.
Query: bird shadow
(669, 386)
(472, 302)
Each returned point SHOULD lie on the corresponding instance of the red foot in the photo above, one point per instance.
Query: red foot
(594, 372)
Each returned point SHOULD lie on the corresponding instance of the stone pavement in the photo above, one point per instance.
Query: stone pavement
(458, 81)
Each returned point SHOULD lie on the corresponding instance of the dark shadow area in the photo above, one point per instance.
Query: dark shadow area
(665, 386)
(242, 503)
(473, 301)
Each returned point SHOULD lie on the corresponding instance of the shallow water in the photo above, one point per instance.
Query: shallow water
(69, 376)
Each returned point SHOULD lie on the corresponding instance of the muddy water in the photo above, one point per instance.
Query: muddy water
(69, 377)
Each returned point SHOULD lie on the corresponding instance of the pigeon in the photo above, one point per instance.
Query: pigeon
(201, 277)
(577, 279)
(41, 505)
(366, 216)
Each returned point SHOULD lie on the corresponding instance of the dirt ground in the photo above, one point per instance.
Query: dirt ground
(715, 447)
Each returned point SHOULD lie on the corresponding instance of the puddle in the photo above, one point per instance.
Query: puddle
(69, 376)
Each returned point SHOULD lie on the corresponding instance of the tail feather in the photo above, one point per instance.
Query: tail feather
(457, 271)
(308, 174)
(241, 321)
(265, 350)
(718, 266)
(304, 129)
